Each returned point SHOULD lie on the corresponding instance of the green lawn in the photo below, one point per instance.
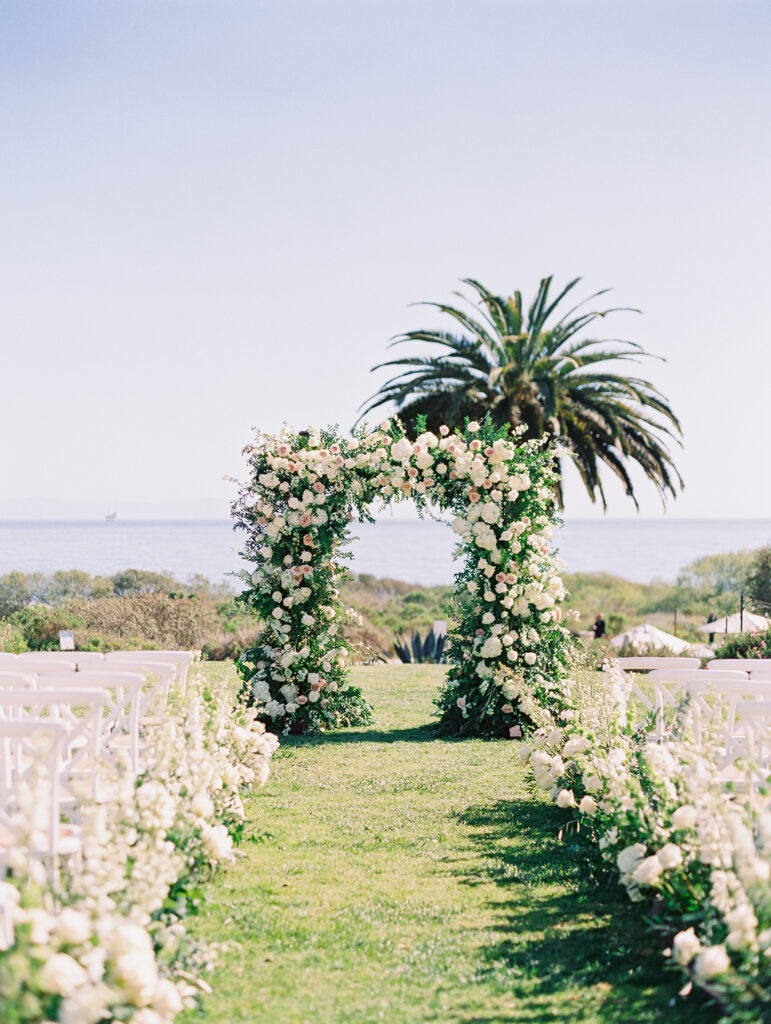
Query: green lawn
(407, 878)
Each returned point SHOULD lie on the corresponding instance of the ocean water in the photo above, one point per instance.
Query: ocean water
(418, 551)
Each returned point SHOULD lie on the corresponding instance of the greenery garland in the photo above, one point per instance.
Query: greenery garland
(303, 492)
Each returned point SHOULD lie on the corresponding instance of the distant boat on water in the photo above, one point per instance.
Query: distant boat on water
(111, 517)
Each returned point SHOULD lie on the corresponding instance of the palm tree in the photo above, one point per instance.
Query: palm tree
(525, 372)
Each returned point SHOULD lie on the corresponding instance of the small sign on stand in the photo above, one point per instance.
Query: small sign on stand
(66, 640)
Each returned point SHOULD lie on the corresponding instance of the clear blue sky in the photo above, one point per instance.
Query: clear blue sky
(215, 214)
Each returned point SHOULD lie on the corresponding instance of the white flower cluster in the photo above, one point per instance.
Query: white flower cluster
(304, 491)
(662, 816)
(101, 941)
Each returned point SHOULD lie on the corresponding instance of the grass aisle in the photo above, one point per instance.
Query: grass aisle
(414, 879)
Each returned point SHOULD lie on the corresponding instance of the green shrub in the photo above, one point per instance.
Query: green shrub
(39, 626)
(11, 638)
(746, 645)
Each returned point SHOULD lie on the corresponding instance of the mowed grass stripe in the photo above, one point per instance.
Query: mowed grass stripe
(407, 878)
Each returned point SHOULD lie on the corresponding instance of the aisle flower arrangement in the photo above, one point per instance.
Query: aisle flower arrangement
(108, 940)
(303, 492)
(694, 851)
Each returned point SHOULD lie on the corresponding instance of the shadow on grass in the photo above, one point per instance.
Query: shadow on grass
(566, 924)
(418, 734)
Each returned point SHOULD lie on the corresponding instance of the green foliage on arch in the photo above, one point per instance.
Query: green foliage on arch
(303, 492)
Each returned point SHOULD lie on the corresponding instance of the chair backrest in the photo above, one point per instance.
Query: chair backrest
(86, 729)
(760, 673)
(739, 664)
(45, 666)
(182, 659)
(7, 658)
(58, 657)
(671, 686)
(694, 675)
(159, 676)
(754, 719)
(20, 753)
(16, 680)
(747, 689)
(643, 664)
(127, 701)
(175, 657)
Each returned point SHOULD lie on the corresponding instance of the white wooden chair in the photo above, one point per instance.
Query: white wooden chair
(644, 664)
(78, 658)
(182, 660)
(126, 692)
(45, 666)
(652, 664)
(739, 664)
(84, 714)
(159, 676)
(671, 686)
(754, 720)
(25, 748)
(715, 703)
(7, 659)
(16, 680)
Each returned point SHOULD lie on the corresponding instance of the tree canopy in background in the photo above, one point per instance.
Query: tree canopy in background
(540, 370)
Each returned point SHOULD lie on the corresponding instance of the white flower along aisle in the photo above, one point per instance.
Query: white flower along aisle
(692, 850)
(304, 490)
(108, 940)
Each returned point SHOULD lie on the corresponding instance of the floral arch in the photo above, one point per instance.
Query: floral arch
(305, 489)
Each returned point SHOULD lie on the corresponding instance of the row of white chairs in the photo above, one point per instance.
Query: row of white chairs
(724, 699)
(79, 661)
(756, 668)
(71, 719)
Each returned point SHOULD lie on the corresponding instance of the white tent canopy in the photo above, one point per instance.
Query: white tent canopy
(650, 637)
(749, 624)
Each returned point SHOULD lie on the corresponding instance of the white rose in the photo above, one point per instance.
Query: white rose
(630, 857)
(261, 690)
(166, 999)
(530, 657)
(670, 856)
(588, 805)
(684, 817)
(87, 1005)
(217, 842)
(73, 927)
(147, 1016)
(565, 798)
(576, 745)
(202, 806)
(685, 946)
(712, 961)
(742, 918)
(401, 450)
(62, 975)
(647, 871)
(491, 513)
(491, 648)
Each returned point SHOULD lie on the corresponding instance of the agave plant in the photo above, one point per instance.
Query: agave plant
(430, 650)
(538, 370)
